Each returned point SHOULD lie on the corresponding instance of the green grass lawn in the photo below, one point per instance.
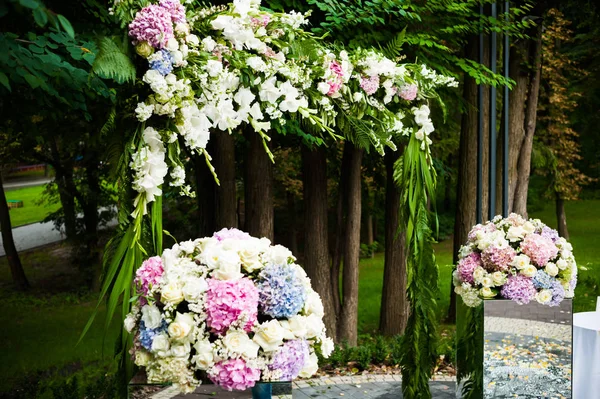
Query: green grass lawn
(31, 212)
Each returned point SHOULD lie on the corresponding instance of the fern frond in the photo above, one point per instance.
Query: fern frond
(113, 63)
(393, 48)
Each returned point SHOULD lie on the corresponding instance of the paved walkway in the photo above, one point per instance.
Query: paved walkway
(353, 387)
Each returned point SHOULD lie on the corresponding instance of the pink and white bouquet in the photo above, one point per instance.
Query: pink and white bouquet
(517, 259)
(231, 307)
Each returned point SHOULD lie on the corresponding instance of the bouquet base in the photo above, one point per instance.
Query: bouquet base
(507, 350)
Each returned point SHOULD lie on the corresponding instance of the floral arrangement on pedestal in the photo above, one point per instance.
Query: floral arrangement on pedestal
(231, 306)
(517, 259)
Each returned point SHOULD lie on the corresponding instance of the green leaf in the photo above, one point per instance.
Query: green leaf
(66, 25)
(33, 4)
(4, 81)
(40, 16)
(33, 81)
(113, 63)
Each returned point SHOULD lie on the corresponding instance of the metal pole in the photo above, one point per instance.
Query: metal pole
(479, 207)
(493, 129)
(505, 108)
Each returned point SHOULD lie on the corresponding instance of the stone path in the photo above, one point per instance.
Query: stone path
(353, 387)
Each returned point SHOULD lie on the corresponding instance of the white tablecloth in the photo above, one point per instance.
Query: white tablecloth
(586, 355)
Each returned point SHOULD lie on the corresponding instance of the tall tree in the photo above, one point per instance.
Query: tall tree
(226, 192)
(258, 185)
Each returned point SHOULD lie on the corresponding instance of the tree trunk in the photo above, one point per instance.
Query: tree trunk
(67, 201)
(395, 307)
(316, 251)
(226, 193)
(561, 217)
(347, 327)
(291, 201)
(524, 162)
(14, 262)
(259, 189)
(205, 197)
(369, 223)
(466, 192)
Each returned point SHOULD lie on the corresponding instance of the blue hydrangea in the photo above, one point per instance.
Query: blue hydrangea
(162, 61)
(558, 293)
(147, 334)
(542, 280)
(281, 293)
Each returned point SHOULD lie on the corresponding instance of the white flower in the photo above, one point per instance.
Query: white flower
(172, 44)
(194, 127)
(279, 255)
(214, 67)
(268, 91)
(228, 266)
(296, 325)
(249, 256)
(208, 44)
(313, 304)
(294, 19)
(193, 289)
(193, 40)
(551, 269)
(515, 233)
(239, 342)
(314, 326)
(221, 22)
(310, 367)
(323, 87)
(204, 357)
(180, 350)
(562, 264)
(244, 97)
(487, 292)
(143, 111)
(487, 281)
(528, 227)
(544, 296)
(130, 322)
(151, 316)
(357, 97)
(171, 294)
(177, 176)
(499, 278)
(269, 335)
(529, 271)
(160, 343)
(182, 326)
(478, 274)
(327, 346)
(256, 63)
(520, 262)
(142, 357)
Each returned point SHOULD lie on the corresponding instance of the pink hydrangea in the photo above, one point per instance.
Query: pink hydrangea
(228, 300)
(467, 265)
(370, 84)
(152, 24)
(486, 228)
(149, 274)
(540, 249)
(175, 8)
(498, 258)
(519, 288)
(408, 92)
(234, 374)
(260, 22)
(226, 233)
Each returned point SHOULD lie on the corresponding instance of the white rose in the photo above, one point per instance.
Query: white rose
(515, 233)
(171, 294)
(487, 282)
(193, 289)
(180, 350)
(142, 357)
(160, 343)
(222, 22)
(313, 304)
(499, 278)
(249, 257)
(130, 322)
(182, 326)
(529, 271)
(192, 40)
(562, 264)
(520, 262)
(327, 346)
(528, 227)
(269, 335)
(213, 68)
(323, 87)
(478, 274)
(229, 266)
(551, 269)
(151, 316)
(279, 255)
(204, 357)
(487, 292)
(239, 342)
(544, 296)
(310, 367)
(172, 44)
(314, 326)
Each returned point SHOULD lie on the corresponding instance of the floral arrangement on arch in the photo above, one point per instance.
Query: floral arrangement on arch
(231, 306)
(517, 259)
(211, 70)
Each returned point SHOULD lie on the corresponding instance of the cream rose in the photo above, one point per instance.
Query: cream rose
(515, 233)
(160, 343)
(562, 264)
(171, 294)
(499, 278)
(182, 326)
(520, 262)
(269, 335)
(204, 357)
(151, 316)
(487, 292)
(478, 274)
(487, 282)
(528, 227)
(279, 255)
(529, 271)
(229, 266)
(314, 326)
(310, 367)
(313, 304)
(250, 258)
(180, 350)
(239, 342)
(544, 296)
(193, 289)
(551, 269)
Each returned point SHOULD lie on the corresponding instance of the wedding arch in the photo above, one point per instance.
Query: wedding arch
(210, 70)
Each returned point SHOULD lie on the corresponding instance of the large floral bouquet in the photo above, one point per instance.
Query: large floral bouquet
(517, 259)
(231, 306)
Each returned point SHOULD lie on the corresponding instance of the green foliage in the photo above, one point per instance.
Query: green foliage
(113, 62)
(41, 15)
(469, 349)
